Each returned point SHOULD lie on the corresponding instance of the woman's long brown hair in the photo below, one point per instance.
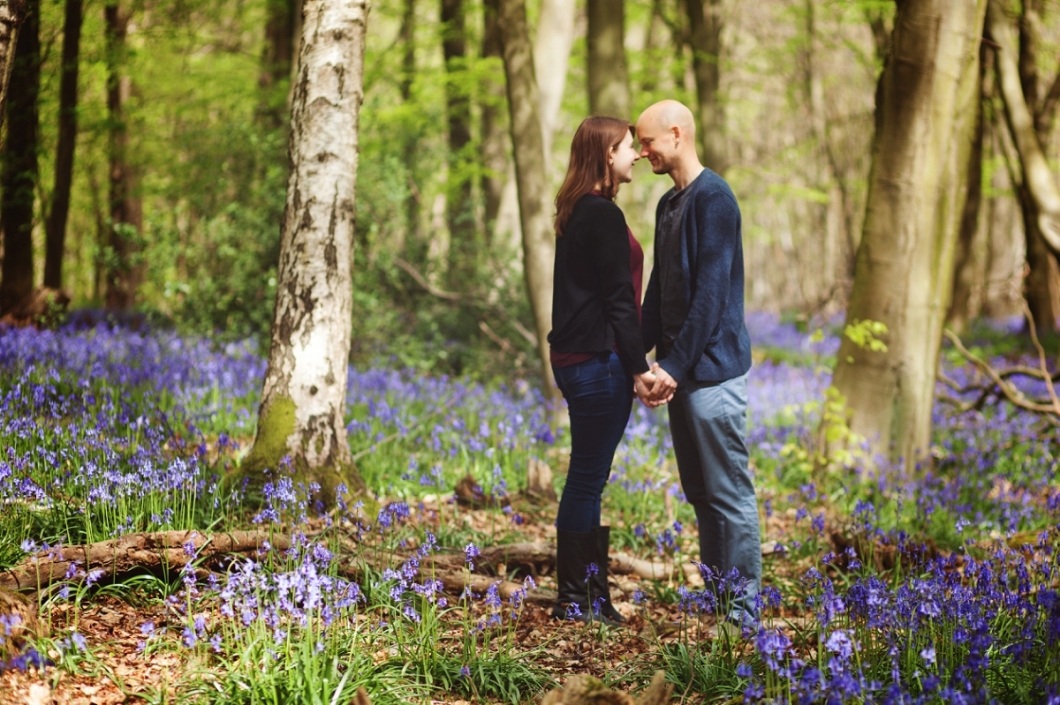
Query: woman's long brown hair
(589, 164)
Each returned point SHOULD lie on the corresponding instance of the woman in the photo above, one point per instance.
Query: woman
(597, 352)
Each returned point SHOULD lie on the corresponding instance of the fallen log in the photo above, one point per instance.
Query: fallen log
(138, 551)
(18, 623)
(479, 584)
(622, 564)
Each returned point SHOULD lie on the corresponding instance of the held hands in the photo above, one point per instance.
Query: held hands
(654, 388)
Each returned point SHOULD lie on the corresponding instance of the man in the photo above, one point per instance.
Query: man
(693, 316)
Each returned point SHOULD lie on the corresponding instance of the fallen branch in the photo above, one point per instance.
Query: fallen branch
(165, 549)
(622, 564)
(1050, 409)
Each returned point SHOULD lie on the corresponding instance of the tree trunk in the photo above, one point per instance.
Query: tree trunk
(494, 133)
(303, 399)
(531, 176)
(705, 25)
(277, 59)
(904, 271)
(965, 269)
(464, 245)
(552, 47)
(649, 80)
(1036, 173)
(11, 14)
(415, 249)
(278, 56)
(1041, 288)
(606, 64)
(64, 151)
(123, 265)
(18, 179)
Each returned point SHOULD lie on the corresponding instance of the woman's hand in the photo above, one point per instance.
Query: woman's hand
(642, 387)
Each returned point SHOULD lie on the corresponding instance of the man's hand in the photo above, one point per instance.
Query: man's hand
(663, 389)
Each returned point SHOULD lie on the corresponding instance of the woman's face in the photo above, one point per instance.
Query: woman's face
(623, 157)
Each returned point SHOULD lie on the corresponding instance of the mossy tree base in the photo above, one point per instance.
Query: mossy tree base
(254, 472)
(272, 451)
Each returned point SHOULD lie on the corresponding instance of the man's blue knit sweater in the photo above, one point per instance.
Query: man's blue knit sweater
(713, 345)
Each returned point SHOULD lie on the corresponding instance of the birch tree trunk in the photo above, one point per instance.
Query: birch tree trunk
(303, 401)
(903, 276)
(608, 75)
(64, 150)
(531, 176)
(19, 174)
(11, 13)
(705, 25)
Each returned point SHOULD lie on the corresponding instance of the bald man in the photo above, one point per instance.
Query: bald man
(693, 317)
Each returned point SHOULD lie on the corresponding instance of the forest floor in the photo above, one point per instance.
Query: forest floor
(881, 583)
(119, 671)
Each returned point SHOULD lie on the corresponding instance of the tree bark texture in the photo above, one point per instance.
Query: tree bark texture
(19, 174)
(303, 399)
(1037, 176)
(64, 151)
(705, 25)
(11, 14)
(531, 175)
(904, 270)
(966, 270)
(608, 75)
(464, 245)
(123, 266)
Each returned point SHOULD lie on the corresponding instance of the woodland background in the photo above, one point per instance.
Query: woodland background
(176, 183)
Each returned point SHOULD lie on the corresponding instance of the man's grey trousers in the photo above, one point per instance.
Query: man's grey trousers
(709, 427)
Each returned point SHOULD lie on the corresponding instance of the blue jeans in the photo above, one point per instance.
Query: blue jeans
(709, 426)
(599, 394)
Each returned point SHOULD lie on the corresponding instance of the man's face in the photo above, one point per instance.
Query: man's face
(656, 145)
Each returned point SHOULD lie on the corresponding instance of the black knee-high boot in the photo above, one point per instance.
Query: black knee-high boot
(599, 581)
(575, 551)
